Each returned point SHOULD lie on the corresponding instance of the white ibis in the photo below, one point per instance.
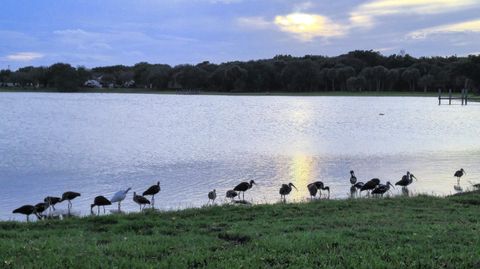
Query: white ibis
(231, 194)
(406, 180)
(98, 202)
(154, 189)
(381, 189)
(285, 190)
(119, 196)
(353, 178)
(243, 187)
(140, 200)
(458, 174)
(25, 210)
(69, 196)
(212, 196)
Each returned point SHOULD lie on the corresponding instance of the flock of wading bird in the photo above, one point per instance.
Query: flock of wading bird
(373, 187)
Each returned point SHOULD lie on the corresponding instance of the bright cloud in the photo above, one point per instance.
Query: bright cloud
(462, 27)
(365, 14)
(24, 56)
(306, 26)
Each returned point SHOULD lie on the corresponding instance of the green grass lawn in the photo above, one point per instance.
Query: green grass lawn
(419, 232)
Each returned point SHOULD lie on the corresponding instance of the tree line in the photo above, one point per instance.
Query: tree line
(354, 71)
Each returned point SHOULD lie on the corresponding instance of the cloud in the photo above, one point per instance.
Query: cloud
(472, 26)
(254, 22)
(365, 15)
(24, 56)
(306, 26)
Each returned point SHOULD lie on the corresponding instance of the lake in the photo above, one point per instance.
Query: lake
(97, 144)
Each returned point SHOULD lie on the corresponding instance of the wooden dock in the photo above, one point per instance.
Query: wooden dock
(464, 98)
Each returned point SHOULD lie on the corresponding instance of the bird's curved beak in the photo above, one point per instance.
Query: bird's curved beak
(391, 185)
(294, 187)
(415, 177)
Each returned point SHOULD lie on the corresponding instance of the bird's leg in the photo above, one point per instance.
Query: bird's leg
(53, 207)
(103, 209)
(118, 206)
(28, 220)
(153, 201)
(98, 210)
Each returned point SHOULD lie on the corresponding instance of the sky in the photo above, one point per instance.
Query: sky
(108, 32)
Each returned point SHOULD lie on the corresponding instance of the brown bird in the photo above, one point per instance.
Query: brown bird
(231, 194)
(212, 196)
(154, 189)
(40, 208)
(243, 187)
(69, 196)
(458, 174)
(98, 202)
(285, 190)
(140, 200)
(25, 210)
(52, 201)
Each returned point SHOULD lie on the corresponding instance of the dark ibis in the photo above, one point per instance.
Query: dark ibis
(312, 189)
(119, 196)
(154, 189)
(52, 201)
(358, 185)
(98, 202)
(370, 185)
(320, 186)
(406, 180)
(380, 189)
(285, 190)
(212, 195)
(69, 196)
(231, 194)
(353, 178)
(40, 208)
(140, 200)
(458, 174)
(243, 187)
(25, 210)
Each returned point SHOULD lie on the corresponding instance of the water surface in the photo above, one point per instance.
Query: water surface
(97, 144)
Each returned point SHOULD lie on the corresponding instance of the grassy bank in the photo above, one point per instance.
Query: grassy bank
(320, 93)
(419, 232)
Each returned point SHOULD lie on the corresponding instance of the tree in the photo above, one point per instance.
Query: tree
(64, 77)
(379, 74)
(411, 75)
(426, 81)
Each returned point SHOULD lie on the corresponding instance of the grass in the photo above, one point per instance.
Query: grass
(418, 232)
(319, 93)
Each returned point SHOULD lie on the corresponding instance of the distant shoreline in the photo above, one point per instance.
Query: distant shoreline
(146, 91)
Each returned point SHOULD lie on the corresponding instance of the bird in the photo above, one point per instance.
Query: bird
(52, 201)
(312, 189)
(458, 174)
(359, 185)
(119, 196)
(406, 180)
(154, 189)
(69, 196)
(353, 178)
(140, 200)
(370, 185)
(381, 189)
(320, 186)
(243, 187)
(231, 194)
(40, 208)
(98, 202)
(212, 196)
(25, 210)
(285, 190)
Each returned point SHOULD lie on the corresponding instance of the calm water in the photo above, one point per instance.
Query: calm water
(97, 144)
